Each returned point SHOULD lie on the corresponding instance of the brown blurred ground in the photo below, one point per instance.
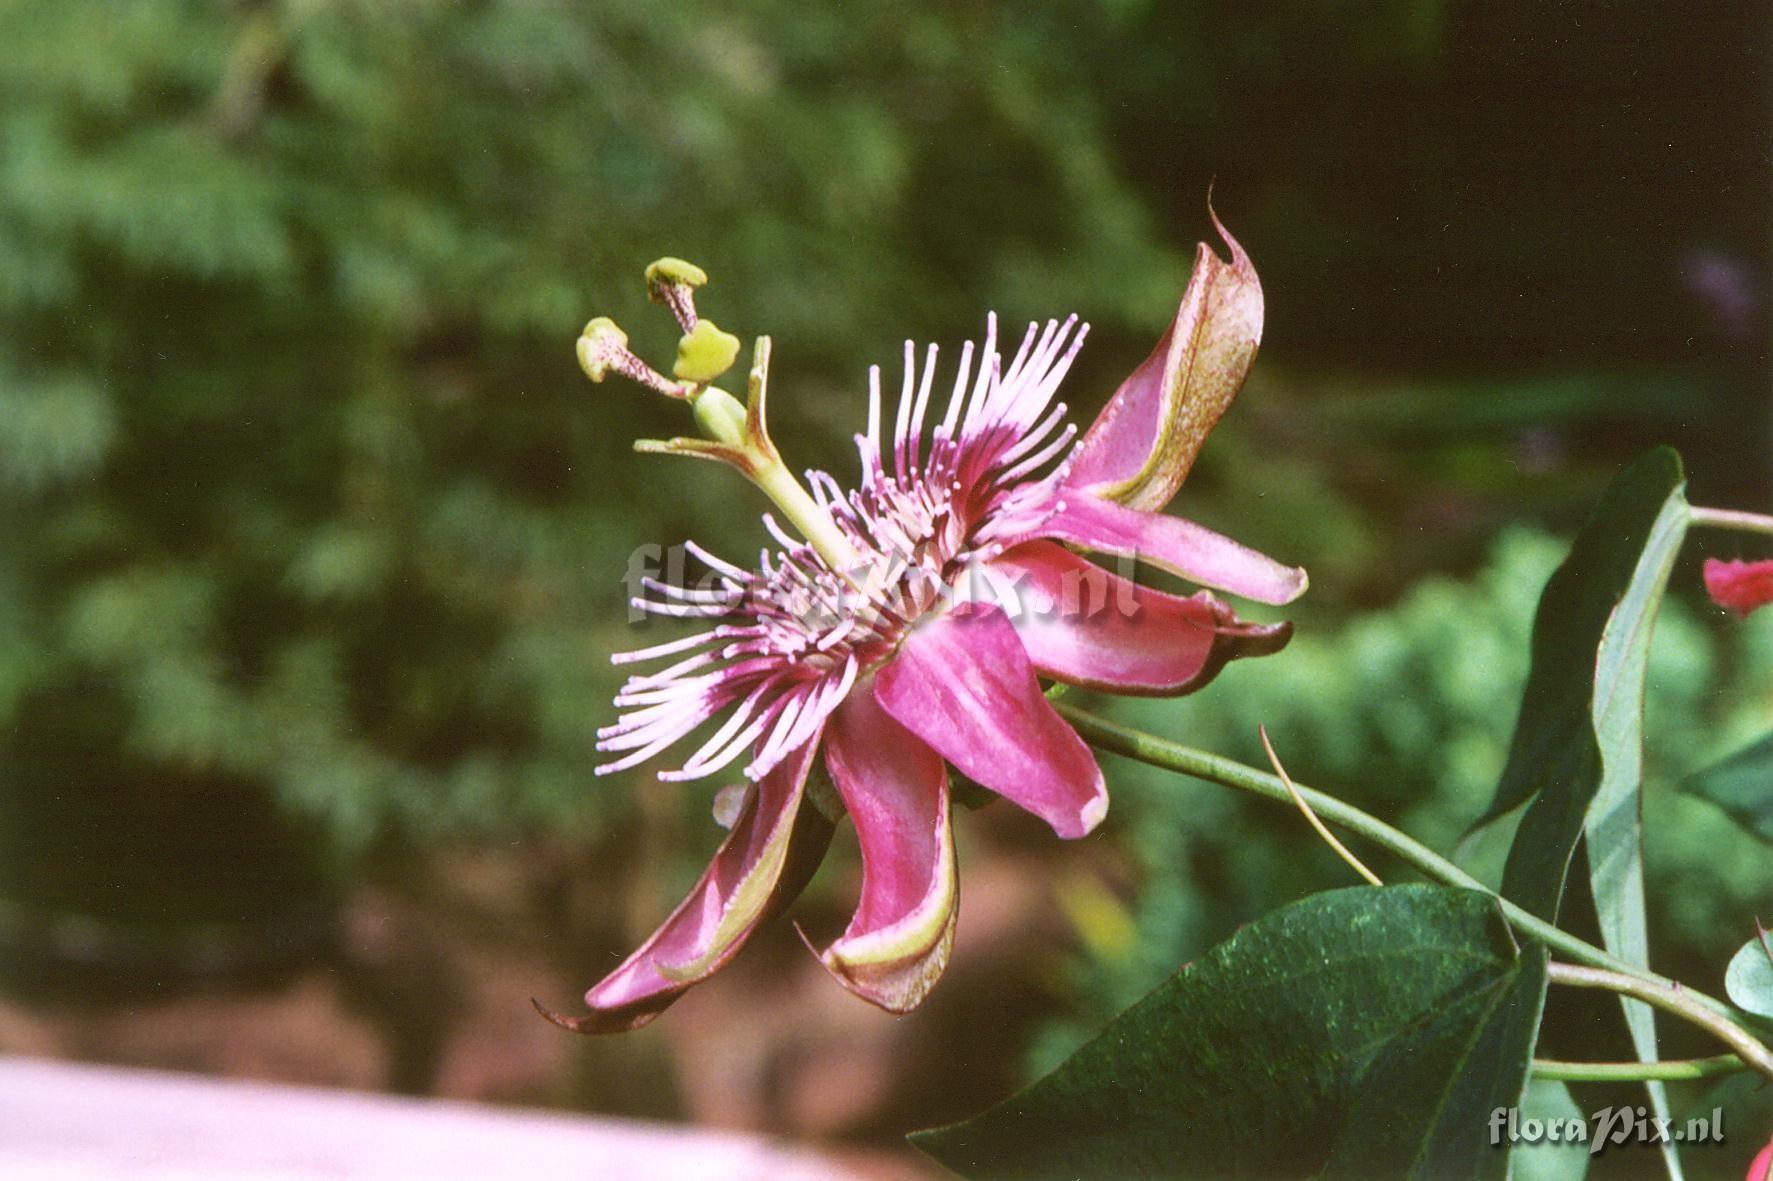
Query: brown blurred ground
(429, 994)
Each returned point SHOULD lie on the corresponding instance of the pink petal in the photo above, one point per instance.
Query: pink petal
(1083, 625)
(765, 861)
(961, 681)
(1139, 449)
(1739, 586)
(1761, 1167)
(896, 790)
(1171, 543)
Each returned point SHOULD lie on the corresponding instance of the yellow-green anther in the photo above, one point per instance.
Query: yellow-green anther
(720, 415)
(670, 272)
(603, 350)
(704, 353)
(601, 345)
(673, 282)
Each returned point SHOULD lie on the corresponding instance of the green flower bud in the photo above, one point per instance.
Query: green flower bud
(704, 353)
(721, 416)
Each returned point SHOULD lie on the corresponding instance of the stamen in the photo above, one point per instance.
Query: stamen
(1026, 349)
(787, 710)
(1035, 461)
(677, 610)
(871, 457)
(716, 564)
(1033, 438)
(957, 400)
(781, 535)
(923, 402)
(726, 743)
(688, 722)
(681, 668)
(668, 648)
(690, 594)
(902, 426)
(989, 366)
(657, 694)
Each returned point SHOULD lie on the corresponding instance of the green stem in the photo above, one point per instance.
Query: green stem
(804, 513)
(1680, 1070)
(1670, 998)
(1173, 756)
(766, 470)
(1729, 518)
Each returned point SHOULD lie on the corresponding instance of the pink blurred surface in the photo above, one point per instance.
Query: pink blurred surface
(67, 1122)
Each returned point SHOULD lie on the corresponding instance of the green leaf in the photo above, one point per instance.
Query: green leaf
(1549, 1160)
(1742, 785)
(1601, 590)
(1578, 746)
(1614, 825)
(1359, 1029)
(1748, 980)
(1430, 1090)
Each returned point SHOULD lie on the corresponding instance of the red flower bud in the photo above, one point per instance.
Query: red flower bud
(1739, 586)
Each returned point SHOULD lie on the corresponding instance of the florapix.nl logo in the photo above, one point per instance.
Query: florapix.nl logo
(1605, 1127)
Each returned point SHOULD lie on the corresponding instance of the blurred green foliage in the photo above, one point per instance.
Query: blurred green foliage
(303, 484)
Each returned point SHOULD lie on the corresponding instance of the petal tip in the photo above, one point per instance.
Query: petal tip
(1240, 261)
(1093, 814)
(891, 1001)
(1086, 819)
(1300, 583)
(896, 987)
(597, 1021)
(566, 1023)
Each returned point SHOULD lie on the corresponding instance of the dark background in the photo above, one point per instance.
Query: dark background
(313, 531)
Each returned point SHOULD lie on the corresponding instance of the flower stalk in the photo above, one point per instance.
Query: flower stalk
(1729, 518)
(1670, 998)
(1677, 1070)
